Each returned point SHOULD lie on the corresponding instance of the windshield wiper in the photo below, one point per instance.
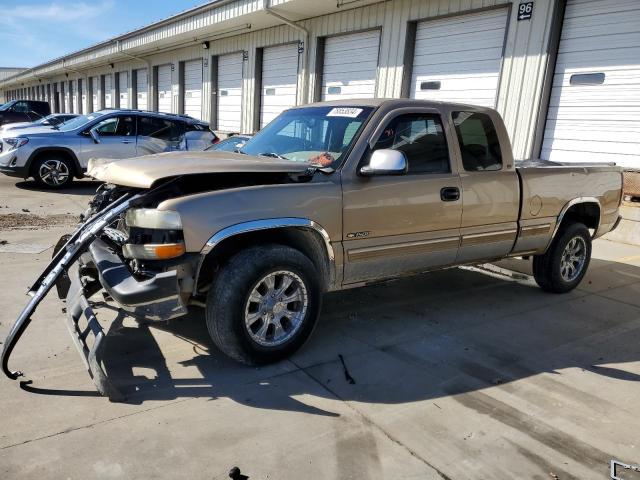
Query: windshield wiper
(272, 155)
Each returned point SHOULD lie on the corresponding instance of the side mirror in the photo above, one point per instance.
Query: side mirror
(94, 135)
(385, 162)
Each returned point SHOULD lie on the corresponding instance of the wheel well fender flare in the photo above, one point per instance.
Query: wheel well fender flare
(272, 224)
(67, 151)
(573, 205)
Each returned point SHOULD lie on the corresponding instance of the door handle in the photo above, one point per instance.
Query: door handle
(127, 141)
(450, 194)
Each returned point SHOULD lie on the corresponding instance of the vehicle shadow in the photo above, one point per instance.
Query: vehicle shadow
(418, 338)
(78, 187)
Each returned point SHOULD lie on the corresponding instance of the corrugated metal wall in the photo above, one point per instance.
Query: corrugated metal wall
(520, 84)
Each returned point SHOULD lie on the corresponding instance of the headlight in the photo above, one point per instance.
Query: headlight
(153, 251)
(16, 142)
(152, 218)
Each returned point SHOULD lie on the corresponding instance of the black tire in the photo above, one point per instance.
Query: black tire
(228, 297)
(547, 268)
(60, 176)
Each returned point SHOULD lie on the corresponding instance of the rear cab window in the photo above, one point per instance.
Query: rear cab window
(421, 138)
(478, 141)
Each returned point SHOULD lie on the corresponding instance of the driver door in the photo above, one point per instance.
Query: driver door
(398, 224)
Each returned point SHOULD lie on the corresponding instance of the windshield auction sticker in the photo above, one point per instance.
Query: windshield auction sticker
(344, 112)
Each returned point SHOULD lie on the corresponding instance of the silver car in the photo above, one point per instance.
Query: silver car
(49, 122)
(54, 158)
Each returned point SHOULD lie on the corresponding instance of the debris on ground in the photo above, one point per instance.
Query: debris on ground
(11, 221)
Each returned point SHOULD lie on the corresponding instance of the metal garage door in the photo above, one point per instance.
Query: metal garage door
(350, 66)
(66, 97)
(164, 88)
(193, 88)
(94, 94)
(279, 81)
(73, 85)
(459, 58)
(594, 110)
(108, 97)
(123, 89)
(230, 92)
(142, 88)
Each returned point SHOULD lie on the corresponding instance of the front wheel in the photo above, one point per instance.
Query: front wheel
(263, 304)
(53, 173)
(564, 265)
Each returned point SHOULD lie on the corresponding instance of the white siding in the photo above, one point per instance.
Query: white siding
(108, 94)
(350, 66)
(193, 88)
(142, 89)
(123, 87)
(279, 81)
(230, 92)
(597, 122)
(94, 94)
(165, 95)
(462, 55)
(74, 96)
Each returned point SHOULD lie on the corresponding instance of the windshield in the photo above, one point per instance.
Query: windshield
(317, 135)
(79, 121)
(7, 106)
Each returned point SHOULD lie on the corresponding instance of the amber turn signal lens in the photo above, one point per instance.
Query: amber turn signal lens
(153, 251)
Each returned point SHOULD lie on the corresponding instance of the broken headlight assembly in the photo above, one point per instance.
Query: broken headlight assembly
(153, 234)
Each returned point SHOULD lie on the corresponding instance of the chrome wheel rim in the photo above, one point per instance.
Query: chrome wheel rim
(573, 259)
(54, 172)
(276, 308)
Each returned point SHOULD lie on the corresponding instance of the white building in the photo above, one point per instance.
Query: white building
(565, 74)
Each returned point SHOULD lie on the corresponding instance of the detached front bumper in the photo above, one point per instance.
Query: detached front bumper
(75, 278)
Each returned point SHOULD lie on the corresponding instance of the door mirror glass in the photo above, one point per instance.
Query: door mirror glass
(385, 162)
(95, 135)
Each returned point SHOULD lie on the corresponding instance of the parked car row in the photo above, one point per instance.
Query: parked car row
(55, 149)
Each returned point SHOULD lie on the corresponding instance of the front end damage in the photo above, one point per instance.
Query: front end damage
(93, 258)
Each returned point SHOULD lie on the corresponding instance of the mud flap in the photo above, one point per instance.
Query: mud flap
(62, 260)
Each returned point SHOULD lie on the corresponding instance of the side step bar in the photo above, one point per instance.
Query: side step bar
(77, 244)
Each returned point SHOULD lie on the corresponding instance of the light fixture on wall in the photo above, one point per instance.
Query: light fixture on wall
(111, 65)
(205, 45)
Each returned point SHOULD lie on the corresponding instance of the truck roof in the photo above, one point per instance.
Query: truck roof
(391, 103)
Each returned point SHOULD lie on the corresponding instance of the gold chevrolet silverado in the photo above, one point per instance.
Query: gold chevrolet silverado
(328, 196)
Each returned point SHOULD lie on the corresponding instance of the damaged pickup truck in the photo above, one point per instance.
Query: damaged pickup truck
(328, 196)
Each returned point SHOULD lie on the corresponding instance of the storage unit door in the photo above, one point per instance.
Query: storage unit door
(193, 88)
(123, 87)
(279, 81)
(74, 96)
(458, 59)
(94, 94)
(230, 92)
(350, 66)
(594, 109)
(108, 94)
(164, 88)
(142, 89)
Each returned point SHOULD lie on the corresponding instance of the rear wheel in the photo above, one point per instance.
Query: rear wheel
(565, 263)
(53, 172)
(263, 304)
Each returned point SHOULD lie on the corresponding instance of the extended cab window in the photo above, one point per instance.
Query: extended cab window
(116, 127)
(478, 141)
(421, 138)
(22, 107)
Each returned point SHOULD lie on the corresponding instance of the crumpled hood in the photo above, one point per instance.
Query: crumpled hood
(143, 172)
